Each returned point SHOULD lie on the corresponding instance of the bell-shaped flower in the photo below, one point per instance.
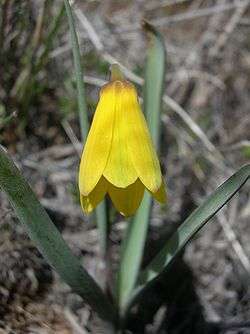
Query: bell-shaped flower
(119, 158)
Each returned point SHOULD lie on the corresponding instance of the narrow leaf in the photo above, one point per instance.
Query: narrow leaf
(82, 106)
(154, 80)
(134, 242)
(48, 240)
(101, 216)
(192, 225)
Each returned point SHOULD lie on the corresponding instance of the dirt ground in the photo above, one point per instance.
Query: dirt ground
(207, 289)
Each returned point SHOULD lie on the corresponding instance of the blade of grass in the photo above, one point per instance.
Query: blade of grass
(190, 227)
(101, 212)
(154, 80)
(82, 106)
(48, 240)
(135, 238)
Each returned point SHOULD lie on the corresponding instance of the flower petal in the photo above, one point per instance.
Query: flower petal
(89, 202)
(160, 194)
(127, 200)
(119, 169)
(140, 146)
(97, 147)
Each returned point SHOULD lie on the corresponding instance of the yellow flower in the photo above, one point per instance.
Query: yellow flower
(119, 158)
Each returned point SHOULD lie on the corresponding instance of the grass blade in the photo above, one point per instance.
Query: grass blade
(101, 215)
(137, 230)
(48, 240)
(154, 81)
(193, 224)
(82, 106)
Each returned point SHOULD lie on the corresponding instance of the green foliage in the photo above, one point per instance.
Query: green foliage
(193, 224)
(135, 238)
(82, 106)
(47, 238)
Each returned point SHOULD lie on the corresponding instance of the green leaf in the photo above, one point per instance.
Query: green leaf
(82, 106)
(48, 240)
(191, 226)
(101, 216)
(134, 242)
(154, 81)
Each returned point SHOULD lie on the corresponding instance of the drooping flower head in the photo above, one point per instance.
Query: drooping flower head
(119, 158)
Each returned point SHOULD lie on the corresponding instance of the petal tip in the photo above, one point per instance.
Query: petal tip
(90, 202)
(160, 195)
(86, 205)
